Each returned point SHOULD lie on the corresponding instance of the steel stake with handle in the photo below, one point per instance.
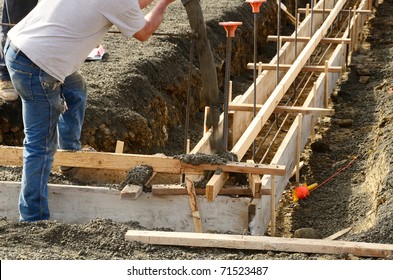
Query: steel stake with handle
(230, 27)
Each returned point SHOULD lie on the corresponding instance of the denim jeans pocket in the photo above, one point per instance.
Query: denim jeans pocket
(48, 83)
(22, 82)
(52, 90)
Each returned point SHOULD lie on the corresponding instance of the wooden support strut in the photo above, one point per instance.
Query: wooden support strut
(304, 10)
(286, 67)
(180, 190)
(255, 183)
(284, 109)
(192, 197)
(304, 39)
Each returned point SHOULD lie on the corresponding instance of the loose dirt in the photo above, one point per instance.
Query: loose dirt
(137, 94)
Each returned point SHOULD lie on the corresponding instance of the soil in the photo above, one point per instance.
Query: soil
(137, 95)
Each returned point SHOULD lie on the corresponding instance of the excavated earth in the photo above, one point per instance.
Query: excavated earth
(137, 94)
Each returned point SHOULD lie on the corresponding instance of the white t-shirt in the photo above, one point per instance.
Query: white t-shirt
(57, 35)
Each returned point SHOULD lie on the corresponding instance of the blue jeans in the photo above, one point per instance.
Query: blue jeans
(13, 12)
(45, 126)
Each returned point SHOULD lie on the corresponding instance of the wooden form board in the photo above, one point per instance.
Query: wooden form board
(181, 190)
(306, 39)
(81, 204)
(160, 163)
(260, 243)
(316, 10)
(285, 109)
(286, 67)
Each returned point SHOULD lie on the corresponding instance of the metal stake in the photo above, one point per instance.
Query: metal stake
(230, 28)
(255, 4)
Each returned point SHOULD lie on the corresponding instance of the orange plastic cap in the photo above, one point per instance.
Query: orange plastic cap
(230, 27)
(301, 192)
(256, 5)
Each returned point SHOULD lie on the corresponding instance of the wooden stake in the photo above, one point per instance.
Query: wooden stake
(313, 118)
(355, 29)
(326, 85)
(131, 192)
(119, 147)
(254, 182)
(192, 197)
(230, 92)
(273, 207)
(205, 128)
(307, 9)
(260, 68)
(299, 139)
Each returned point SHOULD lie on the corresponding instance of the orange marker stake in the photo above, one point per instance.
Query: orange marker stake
(256, 5)
(302, 192)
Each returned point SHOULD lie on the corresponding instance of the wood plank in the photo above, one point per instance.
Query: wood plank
(80, 204)
(358, 11)
(284, 109)
(131, 192)
(14, 156)
(212, 190)
(180, 190)
(304, 39)
(260, 243)
(286, 67)
(237, 167)
(338, 234)
(160, 163)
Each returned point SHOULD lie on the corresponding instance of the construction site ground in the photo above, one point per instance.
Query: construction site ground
(359, 196)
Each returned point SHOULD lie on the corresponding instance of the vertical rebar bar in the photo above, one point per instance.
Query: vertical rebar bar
(278, 40)
(226, 91)
(255, 77)
(187, 121)
(296, 25)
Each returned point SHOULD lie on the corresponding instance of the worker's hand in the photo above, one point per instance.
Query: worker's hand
(144, 3)
(152, 20)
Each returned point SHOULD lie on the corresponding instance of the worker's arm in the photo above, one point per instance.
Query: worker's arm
(153, 20)
(144, 3)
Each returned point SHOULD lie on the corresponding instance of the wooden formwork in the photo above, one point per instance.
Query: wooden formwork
(220, 206)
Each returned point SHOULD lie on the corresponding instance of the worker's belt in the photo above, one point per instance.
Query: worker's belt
(18, 51)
